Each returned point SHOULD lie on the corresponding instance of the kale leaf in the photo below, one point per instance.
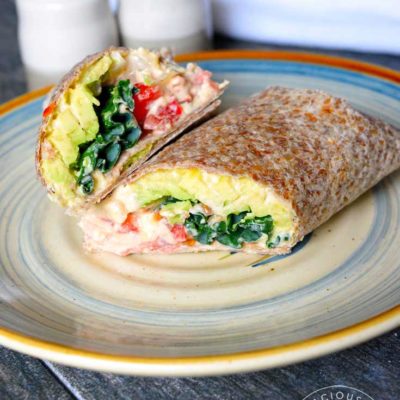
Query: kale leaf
(233, 232)
(119, 131)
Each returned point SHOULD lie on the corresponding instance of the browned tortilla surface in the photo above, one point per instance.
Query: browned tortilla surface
(158, 142)
(314, 150)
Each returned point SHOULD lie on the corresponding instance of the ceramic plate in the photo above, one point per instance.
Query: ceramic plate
(208, 313)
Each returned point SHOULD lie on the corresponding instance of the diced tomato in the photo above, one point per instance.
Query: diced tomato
(143, 98)
(157, 216)
(171, 111)
(129, 225)
(190, 242)
(49, 109)
(168, 114)
(179, 233)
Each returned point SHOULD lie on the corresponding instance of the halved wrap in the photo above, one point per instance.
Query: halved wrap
(112, 112)
(256, 178)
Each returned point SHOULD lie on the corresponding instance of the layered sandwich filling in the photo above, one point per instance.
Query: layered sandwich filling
(178, 209)
(112, 116)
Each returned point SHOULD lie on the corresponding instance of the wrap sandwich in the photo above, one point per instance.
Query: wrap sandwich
(256, 178)
(112, 112)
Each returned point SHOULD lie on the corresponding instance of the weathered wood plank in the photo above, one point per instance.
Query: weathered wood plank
(23, 377)
(373, 367)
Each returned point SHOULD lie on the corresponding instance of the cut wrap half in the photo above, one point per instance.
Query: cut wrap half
(112, 112)
(256, 178)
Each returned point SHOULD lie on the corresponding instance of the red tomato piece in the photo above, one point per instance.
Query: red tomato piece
(157, 216)
(179, 233)
(49, 109)
(129, 225)
(143, 98)
(171, 111)
(190, 242)
(168, 114)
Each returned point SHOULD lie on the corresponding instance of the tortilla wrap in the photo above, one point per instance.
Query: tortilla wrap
(148, 145)
(310, 152)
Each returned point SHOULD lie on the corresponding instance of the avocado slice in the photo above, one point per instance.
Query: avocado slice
(63, 181)
(223, 194)
(74, 121)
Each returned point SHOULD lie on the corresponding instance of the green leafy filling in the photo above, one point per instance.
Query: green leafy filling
(119, 131)
(236, 230)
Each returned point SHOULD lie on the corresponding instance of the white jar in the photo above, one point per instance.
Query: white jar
(56, 34)
(182, 25)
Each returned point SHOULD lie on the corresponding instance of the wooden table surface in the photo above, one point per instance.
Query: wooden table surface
(373, 367)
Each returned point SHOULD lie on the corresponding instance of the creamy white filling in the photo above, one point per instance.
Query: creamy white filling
(102, 233)
(150, 229)
(116, 208)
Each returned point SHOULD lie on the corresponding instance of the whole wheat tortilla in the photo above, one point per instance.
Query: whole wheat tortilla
(158, 142)
(312, 149)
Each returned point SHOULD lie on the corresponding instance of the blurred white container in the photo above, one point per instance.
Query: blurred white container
(363, 25)
(56, 34)
(182, 25)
